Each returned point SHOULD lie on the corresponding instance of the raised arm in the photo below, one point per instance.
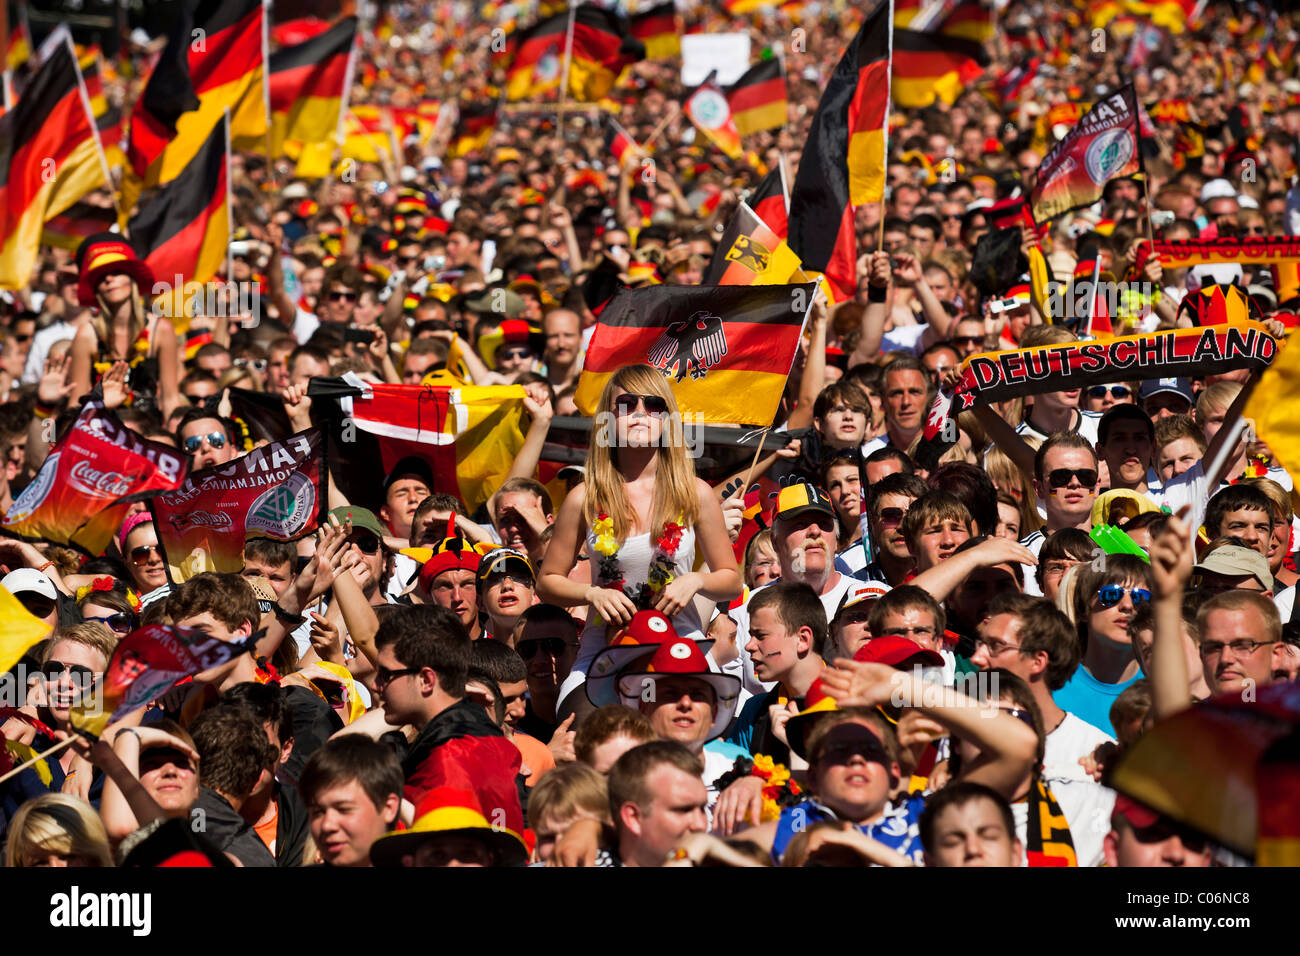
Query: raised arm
(872, 327)
(1172, 558)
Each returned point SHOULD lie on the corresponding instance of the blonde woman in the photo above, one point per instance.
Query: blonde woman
(640, 514)
(55, 829)
(119, 285)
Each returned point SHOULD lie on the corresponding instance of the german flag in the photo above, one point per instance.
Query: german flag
(708, 109)
(740, 7)
(618, 141)
(970, 20)
(750, 253)
(725, 350)
(771, 201)
(843, 162)
(83, 171)
(757, 99)
(905, 11)
(309, 84)
(20, 38)
(193, 85)
(934, 65)
(602, 49)
(538, 59)
(659, 29)
(184, 228)
(79, 221)
(474, 127)
(44, 133)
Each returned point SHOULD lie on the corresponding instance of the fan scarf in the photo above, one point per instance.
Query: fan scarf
(1047, 835)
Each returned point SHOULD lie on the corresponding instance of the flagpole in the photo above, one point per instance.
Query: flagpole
(663, 124)
(61, 745)
(230, 206)
(349, 73)
(762, 436)
(266, 94)
(889, 109)
(94, 129)
(564, 73)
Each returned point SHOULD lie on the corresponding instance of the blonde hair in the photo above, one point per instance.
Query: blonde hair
(1002, 471)
(135, 324)
(675, 497)
(57, 823)
(1065, 591)
(93, 634)
(566, 792)
(1217, 398)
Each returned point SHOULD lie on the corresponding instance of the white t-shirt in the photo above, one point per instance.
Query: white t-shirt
(42, 342)
(1284, 600)
(1087, 805)
(904, 338)
(1087, 427)
(743, 666)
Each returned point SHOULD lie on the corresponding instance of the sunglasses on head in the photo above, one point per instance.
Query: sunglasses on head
(1112, 594)
(143, 553)
(366, 543)
(627, 403)
(121, 622)
(1119, 391)
(216, 441)
(527, 649)
(1060, 477)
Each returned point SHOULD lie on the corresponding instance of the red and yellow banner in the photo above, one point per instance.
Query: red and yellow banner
(1104, 146)
(81, 494)
(277, 491)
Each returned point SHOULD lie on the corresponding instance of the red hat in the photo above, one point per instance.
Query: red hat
(897, 652)
(631, 649)
(815, 703)
(107, 253)
(681, 657)
(449, 554)
(1139, 816)
(450, 810)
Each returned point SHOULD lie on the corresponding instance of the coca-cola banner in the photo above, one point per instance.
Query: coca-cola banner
(275, 491)
(83, 491)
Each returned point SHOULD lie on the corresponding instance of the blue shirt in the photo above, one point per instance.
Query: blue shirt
(1089, 699)
(899, 829)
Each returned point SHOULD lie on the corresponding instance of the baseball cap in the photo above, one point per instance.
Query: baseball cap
(361, 518)
(412, 466)
(861, 597)
(1233, 560)
(795, 499)
(1160, 386)
(501, 302)
(29, 579)
(1139, 816)
(897, 652)
(815, 703)
(502, 561)
(1218, 189)
(572, 471)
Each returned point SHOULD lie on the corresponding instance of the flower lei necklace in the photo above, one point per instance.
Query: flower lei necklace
(610, 572)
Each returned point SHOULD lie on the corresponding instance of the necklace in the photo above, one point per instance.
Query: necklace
(609, 571)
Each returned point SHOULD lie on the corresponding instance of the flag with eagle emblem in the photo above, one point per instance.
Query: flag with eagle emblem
(725, 350)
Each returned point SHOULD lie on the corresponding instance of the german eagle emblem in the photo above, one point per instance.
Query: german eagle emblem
(750, 253)
(692, 346)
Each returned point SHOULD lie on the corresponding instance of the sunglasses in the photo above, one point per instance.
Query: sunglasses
(155, 758)
(627, 403)
(1112, 594)
(366, 543)
(553, 646)
(22, 339)
(216, 441)
(141, 555)
(336, 296)
(258, 364)
(80, 673)
(37, 604)
(1060, 477)
(842, 751)
(967, 340)
(518, 352)
(1119, 391)
(121, 622)
(891, 517)
(196, 399)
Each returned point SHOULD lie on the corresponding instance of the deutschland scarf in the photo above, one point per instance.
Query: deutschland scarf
(1047, 833)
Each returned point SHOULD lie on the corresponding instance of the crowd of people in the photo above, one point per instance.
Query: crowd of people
(915, 660)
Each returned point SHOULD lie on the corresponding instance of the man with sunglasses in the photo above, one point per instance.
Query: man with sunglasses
(204, 437)
(1140, 836)
(546, 637)
(1066, 482)
(423, 664)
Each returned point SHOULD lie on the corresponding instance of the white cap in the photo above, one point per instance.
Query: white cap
(1217, 189)
(1291, 85)
(295, 191)
(408, 174)
(1246, 202)
(29, 579)
(1223, 273)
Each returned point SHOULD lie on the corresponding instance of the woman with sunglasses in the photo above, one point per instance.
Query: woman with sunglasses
(119, 286)
(1105, 601)
(138, 541)
(109, 602)
(640, 511)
